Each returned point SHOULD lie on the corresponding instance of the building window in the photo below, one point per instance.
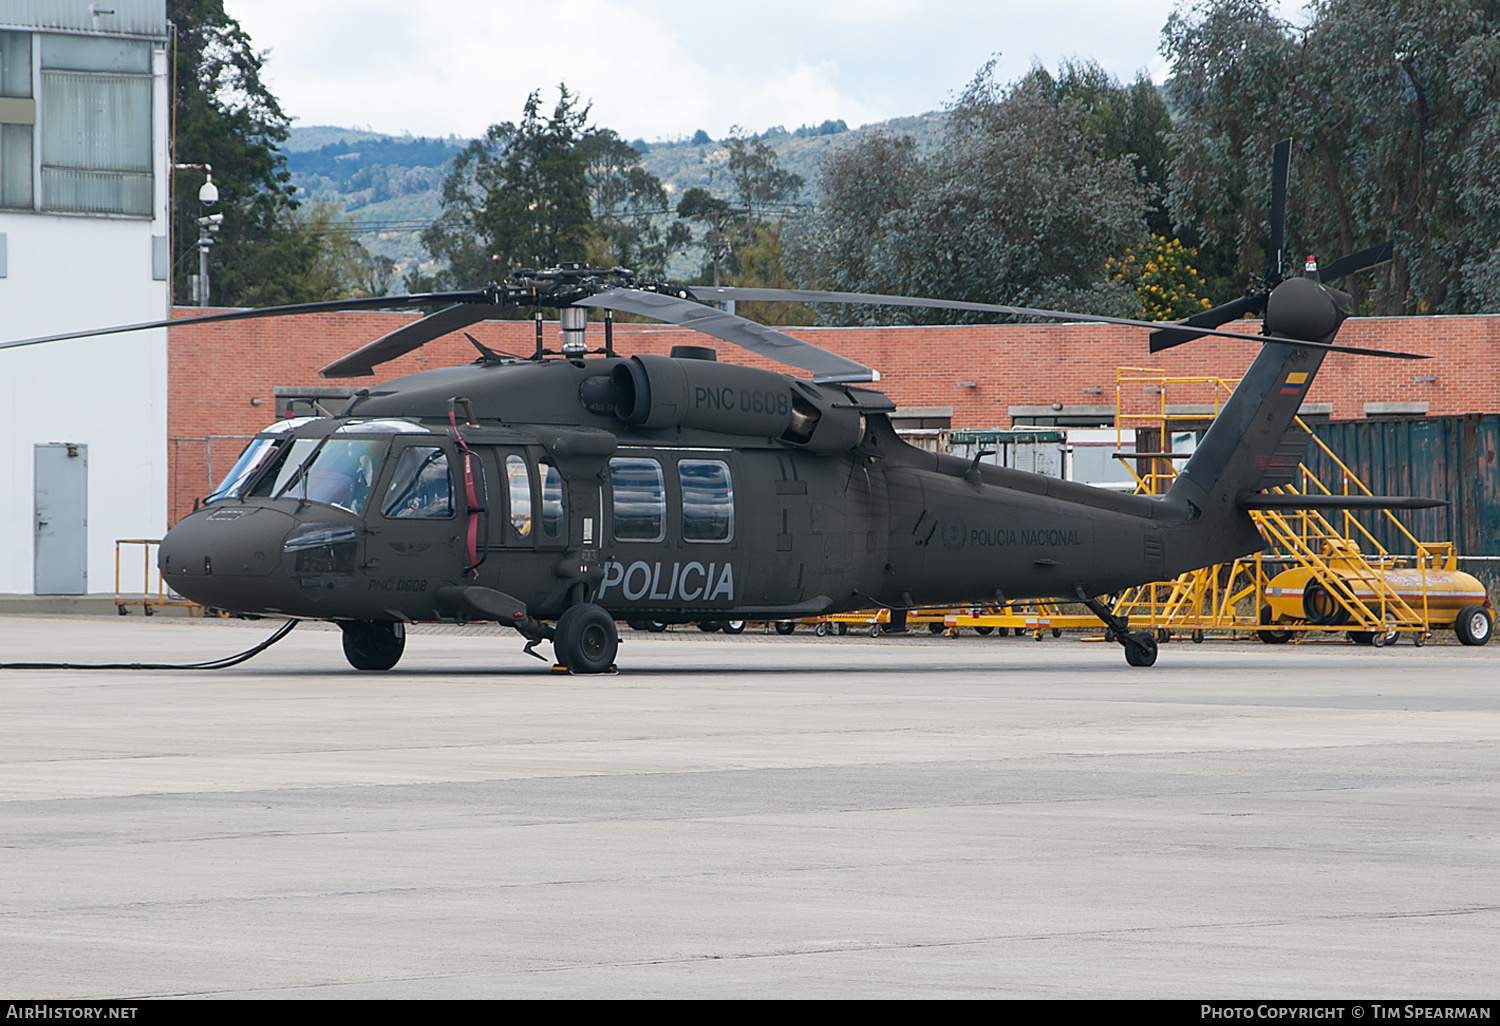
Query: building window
(95, 122)
(17, 120)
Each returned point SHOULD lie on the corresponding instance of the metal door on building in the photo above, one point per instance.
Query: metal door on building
(62, 526)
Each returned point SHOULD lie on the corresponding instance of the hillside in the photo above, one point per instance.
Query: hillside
(392, 185)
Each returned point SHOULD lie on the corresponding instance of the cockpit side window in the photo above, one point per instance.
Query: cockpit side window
(421, 486)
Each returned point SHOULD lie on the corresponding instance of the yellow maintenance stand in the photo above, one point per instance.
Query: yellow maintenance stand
(1320, 576)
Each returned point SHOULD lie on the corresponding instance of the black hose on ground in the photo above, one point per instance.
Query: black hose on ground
(212, 664)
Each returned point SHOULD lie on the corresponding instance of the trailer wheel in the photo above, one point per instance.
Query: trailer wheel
(840, 628)
(1474, 625)
(821, 630)
(1271, 637)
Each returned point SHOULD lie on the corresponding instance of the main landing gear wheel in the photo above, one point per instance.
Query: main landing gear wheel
(373, 644)
(1474, 625)
(1140, 648)
(785, 626)
(585, 640)
(734, 626)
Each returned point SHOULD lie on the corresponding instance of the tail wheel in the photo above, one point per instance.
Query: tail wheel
(1320, 607)
(585, 640)
(1271, 637)
(1140, 648)
(1474, 625)
(373, 644)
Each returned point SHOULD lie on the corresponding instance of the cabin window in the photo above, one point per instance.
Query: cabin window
(707, 500)
(421, 486)
(552, 502)
(518, 481)
(640, 499)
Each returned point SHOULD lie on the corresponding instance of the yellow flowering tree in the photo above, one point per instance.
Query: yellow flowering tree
(1162, 275)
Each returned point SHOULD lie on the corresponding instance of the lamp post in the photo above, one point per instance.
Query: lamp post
(208, 226)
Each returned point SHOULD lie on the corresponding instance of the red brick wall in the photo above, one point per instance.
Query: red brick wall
(215, 370)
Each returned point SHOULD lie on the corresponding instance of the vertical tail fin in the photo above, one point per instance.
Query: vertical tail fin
(1250, 446)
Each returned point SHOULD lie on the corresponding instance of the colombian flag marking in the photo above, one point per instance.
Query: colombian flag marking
(1294, 383)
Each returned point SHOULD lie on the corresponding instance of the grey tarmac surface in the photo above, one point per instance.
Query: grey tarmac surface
(745, 817)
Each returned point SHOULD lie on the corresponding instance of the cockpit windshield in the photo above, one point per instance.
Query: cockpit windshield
(256, 455)
(340, 473)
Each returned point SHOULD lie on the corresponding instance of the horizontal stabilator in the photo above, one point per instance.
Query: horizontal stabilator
(1293, 503)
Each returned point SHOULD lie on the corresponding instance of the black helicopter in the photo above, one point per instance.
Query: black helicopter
(560, 492)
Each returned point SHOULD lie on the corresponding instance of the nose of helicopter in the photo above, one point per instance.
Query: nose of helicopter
(216, 556)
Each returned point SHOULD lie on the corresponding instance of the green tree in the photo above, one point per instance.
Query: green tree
(757, 174)
(549, 190)
(629, 206)
(1022, 203)
(518, 197)
(718, 219)
(265, 251)
(1393, 107)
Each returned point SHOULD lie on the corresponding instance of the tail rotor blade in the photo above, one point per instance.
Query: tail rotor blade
(1361, 261)
(1166, 338)
(1281, 163)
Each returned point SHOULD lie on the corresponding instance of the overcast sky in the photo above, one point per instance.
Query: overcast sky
(664, 68)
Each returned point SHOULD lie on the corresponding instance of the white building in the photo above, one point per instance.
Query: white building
(84, 177)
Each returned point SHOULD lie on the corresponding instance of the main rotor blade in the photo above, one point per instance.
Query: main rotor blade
(1166, 338)
(1363, 260)
(363, 361)
(711, 293)
(757, 338)
(331, 306)
(1281, 163)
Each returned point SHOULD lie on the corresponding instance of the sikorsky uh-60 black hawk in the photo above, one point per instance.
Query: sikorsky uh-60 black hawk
(562, 491)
